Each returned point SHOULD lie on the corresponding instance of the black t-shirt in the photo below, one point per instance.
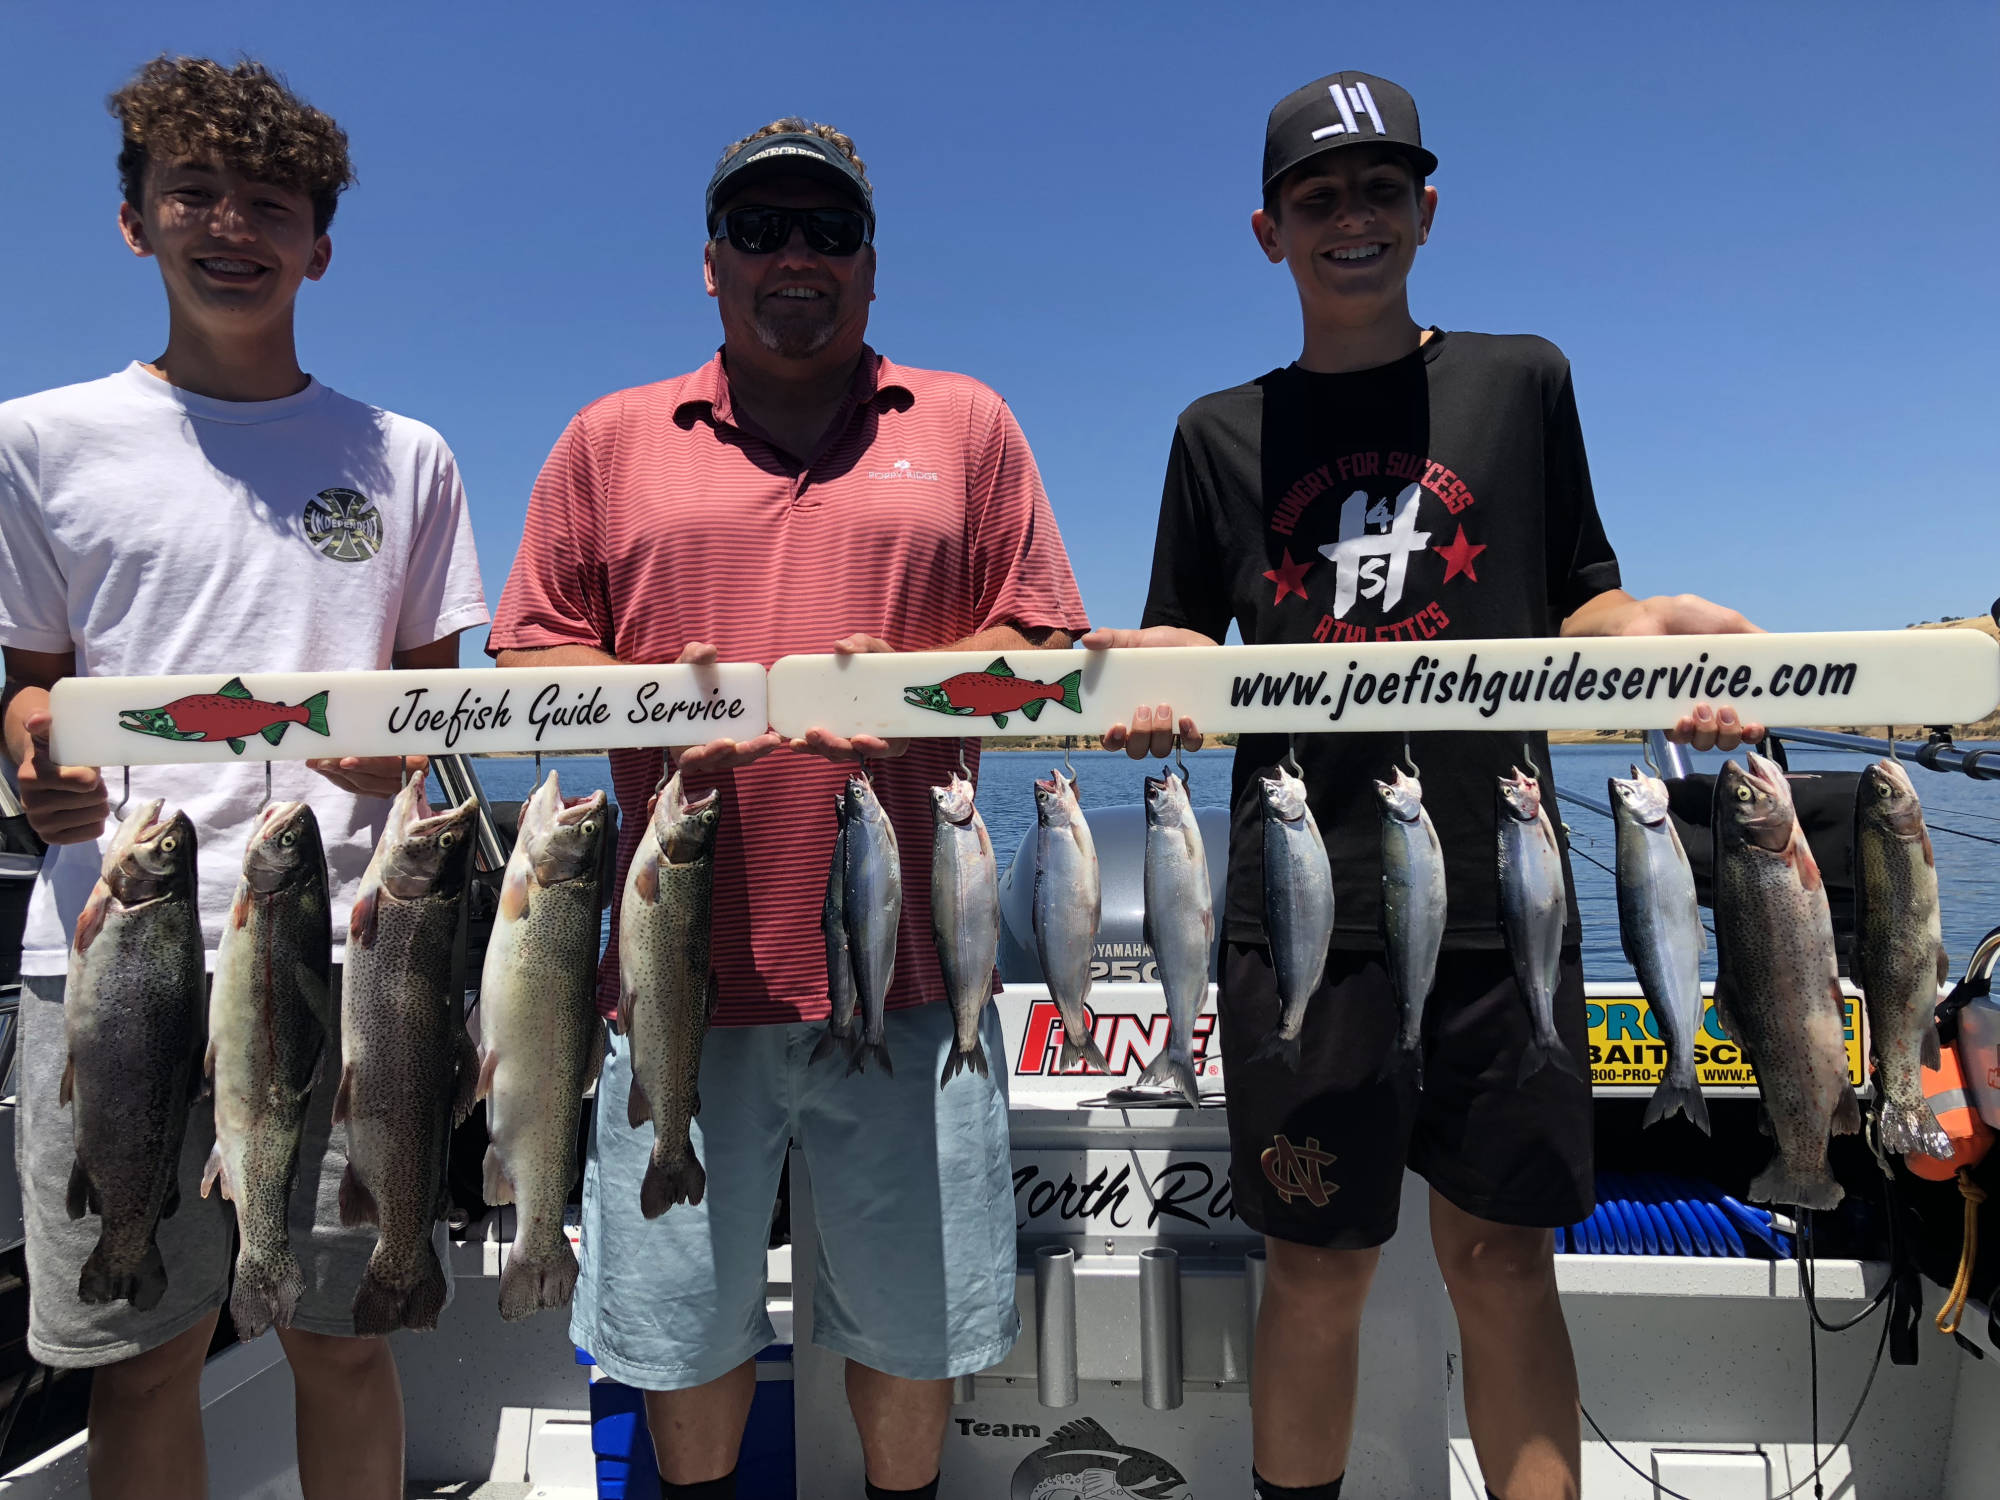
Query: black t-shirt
(1456, 477)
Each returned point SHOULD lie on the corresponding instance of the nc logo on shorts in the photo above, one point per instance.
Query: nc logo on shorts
(344, 525)
(1294, 1170)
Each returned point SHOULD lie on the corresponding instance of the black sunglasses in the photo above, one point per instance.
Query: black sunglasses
(765, 231)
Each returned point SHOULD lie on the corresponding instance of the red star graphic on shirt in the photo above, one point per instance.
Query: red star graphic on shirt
(1290, 577)
(1457, 557)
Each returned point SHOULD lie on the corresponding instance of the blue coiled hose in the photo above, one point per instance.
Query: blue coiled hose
(1652, 1214)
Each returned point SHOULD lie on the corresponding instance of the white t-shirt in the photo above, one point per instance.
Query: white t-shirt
(152, 530)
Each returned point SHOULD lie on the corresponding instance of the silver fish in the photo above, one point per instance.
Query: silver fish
(540, 1041)
(840, 1038)
(267, 1016)
(1179, 926)
(407, 1067)
(1777, 990)
(666, 988)
(873, 906)
(1298, 907)
(965, 917)
(1068, 906)
(133, 1012)
(1413, 906)
(1659, 925)
(1899, 957)
(1533, 908)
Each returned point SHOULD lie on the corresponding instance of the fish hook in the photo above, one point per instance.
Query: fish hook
(861, 759)
(1290, 762)
(1068, 769)
(1889, 734)
(538, 769)
(963, 769)
(267, 788)
(1180, 761)
(1646, 754)
(1409, 760)
(1528, 759)
(119, 810)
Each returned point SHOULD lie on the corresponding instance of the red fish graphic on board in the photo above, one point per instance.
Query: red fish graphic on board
(229, 716)
(997, 692)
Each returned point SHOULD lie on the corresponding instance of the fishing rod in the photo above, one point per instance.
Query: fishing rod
(1938, 753)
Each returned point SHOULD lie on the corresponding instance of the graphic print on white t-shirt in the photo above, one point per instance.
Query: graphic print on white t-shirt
(151, 530)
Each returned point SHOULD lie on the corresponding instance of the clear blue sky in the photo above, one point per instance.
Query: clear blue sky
(1765, 236)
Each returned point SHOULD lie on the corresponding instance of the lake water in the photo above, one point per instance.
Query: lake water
(1964, 816)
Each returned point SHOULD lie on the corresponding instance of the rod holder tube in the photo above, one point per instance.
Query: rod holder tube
(1254, 1268)
(1055, 1325)
(1160, 1328)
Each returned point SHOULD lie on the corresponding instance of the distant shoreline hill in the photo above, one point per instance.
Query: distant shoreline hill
(1987, 728)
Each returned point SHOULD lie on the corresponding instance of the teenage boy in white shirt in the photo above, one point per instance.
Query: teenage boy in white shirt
(215, 510)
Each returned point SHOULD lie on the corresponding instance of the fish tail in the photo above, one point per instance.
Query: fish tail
(867, 1051)
(315, 708)
(265, 1293)
(1082, 1049)
(495, 1186)
(1907, 1126)
(1169, 1071)
(835, 1041)
(1684, 1099)
(530, 1283)
(971, 1060)
(1277, 1044)
(1071, 684)
(142, 1287)
(1548, 1051)
(1778, 1183)
(380, 1308)
(1405, 1056)
(670, 1180)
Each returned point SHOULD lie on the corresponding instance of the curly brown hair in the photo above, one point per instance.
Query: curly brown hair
(244, 117)
(793, 125)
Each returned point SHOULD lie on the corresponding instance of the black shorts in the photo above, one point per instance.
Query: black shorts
(1317, 1156)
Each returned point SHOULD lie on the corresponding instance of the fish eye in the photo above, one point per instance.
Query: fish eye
(289, 837)
(447, 839)
(589, 825)
(169, 844)
(1743, 794)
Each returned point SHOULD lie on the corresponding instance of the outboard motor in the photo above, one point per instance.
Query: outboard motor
(1120, 954)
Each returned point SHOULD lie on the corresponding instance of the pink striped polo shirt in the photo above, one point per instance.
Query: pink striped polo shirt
(658, 521)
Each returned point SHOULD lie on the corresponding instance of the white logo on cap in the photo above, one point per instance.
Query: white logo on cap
(783, 151)
(1347, 100)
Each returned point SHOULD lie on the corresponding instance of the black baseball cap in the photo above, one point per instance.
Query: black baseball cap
(1342, 109)
(790, 155)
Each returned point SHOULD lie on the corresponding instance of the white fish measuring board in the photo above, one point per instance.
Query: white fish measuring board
(1846, 677)
(110, 721)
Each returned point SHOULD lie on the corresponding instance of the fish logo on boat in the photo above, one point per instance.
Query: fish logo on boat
(344, 525)
(996, 693)
(228, 716)
(1081, 1459)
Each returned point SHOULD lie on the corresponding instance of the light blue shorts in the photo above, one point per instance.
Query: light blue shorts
(912, 1189)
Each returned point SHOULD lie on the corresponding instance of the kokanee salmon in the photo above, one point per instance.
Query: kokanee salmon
(229, 716)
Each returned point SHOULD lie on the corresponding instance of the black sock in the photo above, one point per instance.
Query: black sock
(1263, 1489)
(708, 1489)
(921, 1492)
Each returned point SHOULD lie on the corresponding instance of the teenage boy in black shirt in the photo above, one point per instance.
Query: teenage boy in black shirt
(1395, 483)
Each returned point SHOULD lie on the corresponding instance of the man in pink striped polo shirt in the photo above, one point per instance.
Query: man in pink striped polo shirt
(797, 493)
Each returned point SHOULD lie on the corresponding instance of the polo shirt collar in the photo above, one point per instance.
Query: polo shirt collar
(874, 378)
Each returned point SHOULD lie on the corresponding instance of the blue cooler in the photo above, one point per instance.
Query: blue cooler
(767, 1469)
